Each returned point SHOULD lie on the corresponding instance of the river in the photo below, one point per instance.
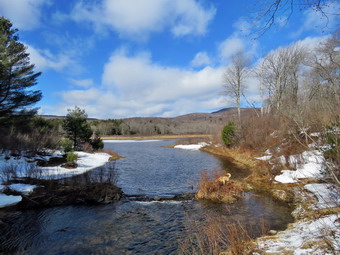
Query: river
(140, 227)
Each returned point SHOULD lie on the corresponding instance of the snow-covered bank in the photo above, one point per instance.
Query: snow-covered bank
(86, 162)
(317, 226)
(312, 235)
(309, 164)
(190, 146)
(20, 166)
(318, 236)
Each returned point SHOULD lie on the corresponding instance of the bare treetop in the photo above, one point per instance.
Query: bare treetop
(268, 12)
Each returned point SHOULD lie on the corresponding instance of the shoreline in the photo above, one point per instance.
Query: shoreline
(152, 137)
(309, 209)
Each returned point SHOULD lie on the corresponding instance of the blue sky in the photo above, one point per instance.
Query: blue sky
(124, 58)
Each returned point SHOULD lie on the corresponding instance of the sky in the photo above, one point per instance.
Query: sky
(165, 58)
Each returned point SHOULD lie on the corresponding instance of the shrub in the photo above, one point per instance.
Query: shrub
(97, 142)
(66, 145)
(228, 134)
(71, 157)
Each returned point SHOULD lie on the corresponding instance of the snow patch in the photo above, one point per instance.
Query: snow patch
(86, 161)
(7, 200)
(190, 146)
(328, 195)
(311, 167)
(268, 152)
(22, 188)
(264, 157)
(292, 240)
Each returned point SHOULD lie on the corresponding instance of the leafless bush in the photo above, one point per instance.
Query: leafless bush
(33, 141)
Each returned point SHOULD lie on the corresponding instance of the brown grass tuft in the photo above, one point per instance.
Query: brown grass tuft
(114, 155)
(210, 189)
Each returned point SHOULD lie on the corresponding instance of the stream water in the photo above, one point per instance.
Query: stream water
(136, 227)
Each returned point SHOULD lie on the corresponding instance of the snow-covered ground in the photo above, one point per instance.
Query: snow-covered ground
(316, 235)
(306, 237)
(190, 146)
(328, 195)
(18, 167)
(309, 235)
(309, 164)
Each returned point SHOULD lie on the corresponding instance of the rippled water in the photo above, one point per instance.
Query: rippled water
(132, 227)
(153, 170)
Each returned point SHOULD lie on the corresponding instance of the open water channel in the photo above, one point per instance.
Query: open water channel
(141, 227)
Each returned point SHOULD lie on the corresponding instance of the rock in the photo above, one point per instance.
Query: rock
(157, 199)
(272, 232)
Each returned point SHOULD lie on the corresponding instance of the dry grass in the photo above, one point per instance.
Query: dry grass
(34, 141)
(243, 159)
(218, 235)
(114, 155)
(210, 189)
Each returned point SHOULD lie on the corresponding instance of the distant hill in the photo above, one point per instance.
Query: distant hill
(225, 110)
(59, 117)
(193, 123)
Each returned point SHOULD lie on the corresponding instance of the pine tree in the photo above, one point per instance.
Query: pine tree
(76, 126)
(17, 75)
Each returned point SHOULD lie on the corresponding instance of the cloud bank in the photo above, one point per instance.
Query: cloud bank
(137, 19)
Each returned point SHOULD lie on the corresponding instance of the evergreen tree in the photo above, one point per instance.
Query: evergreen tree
(228, 134)
(17, 75)
(76, 126)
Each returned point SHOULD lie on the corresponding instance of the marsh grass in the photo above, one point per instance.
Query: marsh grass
(218, 235)
(210, 189)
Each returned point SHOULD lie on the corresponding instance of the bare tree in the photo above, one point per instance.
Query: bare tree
(279, 75)
(325, 63)
(234, 79)
(269, 11)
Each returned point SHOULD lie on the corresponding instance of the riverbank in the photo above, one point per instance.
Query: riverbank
(306, 187)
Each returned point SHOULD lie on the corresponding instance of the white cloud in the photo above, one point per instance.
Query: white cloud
(84, 83)
(229, 47)
(25, 14)
(237, 42)
(130, 18)
(137, 76)
(81, 97)
(44, 59)
(136, 86)
(201, 59)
